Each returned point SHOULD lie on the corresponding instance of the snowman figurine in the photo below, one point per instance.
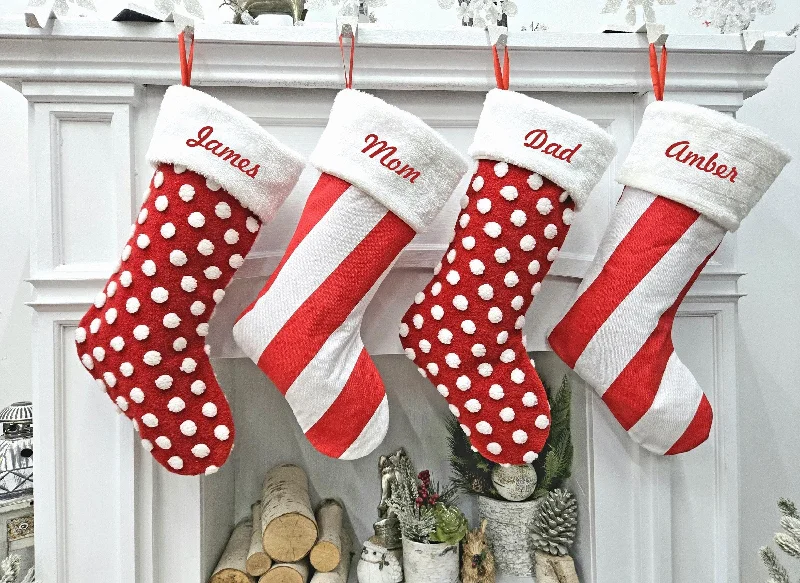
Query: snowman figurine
(379, 564)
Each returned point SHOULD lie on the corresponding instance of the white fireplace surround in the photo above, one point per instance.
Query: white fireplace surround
(106, 512)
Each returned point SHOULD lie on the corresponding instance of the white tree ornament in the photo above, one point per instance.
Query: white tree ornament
(731, 16)
(648, 8)
(348, 7)
(481, 13)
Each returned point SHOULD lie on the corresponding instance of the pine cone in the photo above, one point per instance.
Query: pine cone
(554, 527)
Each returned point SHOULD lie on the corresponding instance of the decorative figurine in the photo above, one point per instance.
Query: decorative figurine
(477, 559)
(514, 483)
(378, 565)
(387, 528)
(16, 450)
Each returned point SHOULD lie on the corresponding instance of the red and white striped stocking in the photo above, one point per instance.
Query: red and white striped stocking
(385, 176)
(692, 175)
(464, 331)
(218, 177)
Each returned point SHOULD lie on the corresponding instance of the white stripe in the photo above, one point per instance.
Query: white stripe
(333, 238)
(628, 211)
(631, 324)
(373, 434)
(673, 409)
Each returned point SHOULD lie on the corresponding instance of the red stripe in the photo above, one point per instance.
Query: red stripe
(346, 418)
(650, 238)
(632, 393)
(324, 194)
(698, 429)
(303, 335)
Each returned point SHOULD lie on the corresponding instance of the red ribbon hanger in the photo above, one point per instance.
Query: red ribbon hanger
(658, 73)
(348, 78)
(501, 74)
(186, 62)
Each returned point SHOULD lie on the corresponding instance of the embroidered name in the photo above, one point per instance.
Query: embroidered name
(539, 140)
(223, 152)
(379, 147)
(681, 152)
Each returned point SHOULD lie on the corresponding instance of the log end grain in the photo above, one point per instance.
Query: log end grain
(325, 556)
(281, 574)
(230, 576)
(258, 564)
(289, 537)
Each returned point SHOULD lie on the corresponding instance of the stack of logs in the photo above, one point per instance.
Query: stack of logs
(284, 540)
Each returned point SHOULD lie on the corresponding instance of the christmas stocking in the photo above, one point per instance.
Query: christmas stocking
(692, 175)
(385, 176)
(218, 177)
(537, 164)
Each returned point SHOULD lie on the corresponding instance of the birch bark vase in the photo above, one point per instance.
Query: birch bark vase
(430, 562)
(508, 530)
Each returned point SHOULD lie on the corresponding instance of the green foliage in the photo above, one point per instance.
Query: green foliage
(788, 542)
(554, 466)
(416, 523)
(472, 473)
(451, 524)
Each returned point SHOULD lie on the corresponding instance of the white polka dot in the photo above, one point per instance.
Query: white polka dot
(502, 255)
(176, 405)
(468, 327)
(463, 220)
(436, 289)
(519, 437)
(530, 399)
(433, 368)
(437, 269)
(158, 179)
(468, 243)
(452, 360)
(502, 337)
(202, 330)
(466, 430)
(563, 197)
(484, 205)
(478, 350)
(464, 201)
(527, 243)
(150, 420)
(152, 357)
(198, 387)
(473, 406)
(495, 315)
(159, 295)
(218, 295)
(147, 444)
(117, 343)
(496, 392)
(507, 414)
(142, 216)
(236, 261)
(252, 225)
(136, 395)
(212, 272)
(419, 298)
(533, 267)
(197, 308)
(188, 283)
(454, 410)
(424, 346)
(452, 277)
(477, 183)
(161, 203)
(518, 218)
(126, 252)
(417, 320)
(567, 216)
(99, 353)
(485, 291)
(460, 302)
(126, 369)
(149, 268)
(530, 457)
(517, 302)
(175, 462)
(111, 289)
(205, 247)
(80, 335)
(179, 169)
(167, 230)
(100, 300)
(404, 329)
(164, 382)
(542, 422)
(500, 169)
(94, 326)
(125, 278)
(141, 332)
(550, 231)
(535, 288)
(443, 390)
(188, 428)
(510, 193)
(223, 210)
(132, 305)
(519, 323)
(142, 241)
(179, 344)
(477, 267)
(196, 220)
(87, 361)
(209, 410)
(535, 181)
(186, 192)
(212, 185)
(552, 254)
(517, 376)
(171, 320)
(451, 255)
(463, 383)
(511, 279)
(483, 427)
(507, 356)
(222, 433)
(485, 369)
(111, 315)
(445, 336)
(494, 448)
(211, 470)
(492, 229)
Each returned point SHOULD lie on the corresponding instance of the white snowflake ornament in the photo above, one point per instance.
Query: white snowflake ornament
(481, 13)
(648, 9)
(731, 16)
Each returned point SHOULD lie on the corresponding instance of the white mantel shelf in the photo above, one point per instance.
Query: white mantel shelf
(456, 59)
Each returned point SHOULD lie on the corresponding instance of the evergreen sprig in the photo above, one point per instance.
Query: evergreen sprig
(472, 473)
(554, 466)
(788, 542)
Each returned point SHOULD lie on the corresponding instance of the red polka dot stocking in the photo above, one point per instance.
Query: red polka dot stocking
(144, 337)
(464, 330)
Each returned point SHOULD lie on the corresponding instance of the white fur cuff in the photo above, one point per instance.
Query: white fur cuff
(703, 159)
(391, 155)
(211, 138)
(561, 146)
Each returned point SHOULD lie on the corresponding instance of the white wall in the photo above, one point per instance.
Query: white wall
(768, 245)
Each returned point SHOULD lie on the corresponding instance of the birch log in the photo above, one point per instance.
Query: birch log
(342, 571)
(326, 553)
(258, 561)
(231, 566)
(289, 527)
(287, 573)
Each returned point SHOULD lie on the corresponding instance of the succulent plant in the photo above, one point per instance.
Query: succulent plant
(451, 524)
